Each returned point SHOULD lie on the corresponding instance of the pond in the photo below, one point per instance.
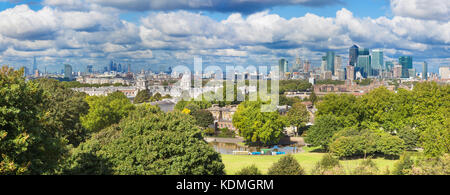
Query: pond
(228, 148)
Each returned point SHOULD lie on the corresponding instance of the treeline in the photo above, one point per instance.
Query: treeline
(76, 84)
(383, 122)
(47, 128)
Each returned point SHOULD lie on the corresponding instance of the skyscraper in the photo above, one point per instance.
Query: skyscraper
(377, 61)
(297, 66)
(67, 71)
(363, 51)
(425, 71)
(283, 66)
(337, 64)
(306, 66)
(353, 55)
(34, 65)
(389, 65)
(363, 65)
(350, 72)
(323, 66)
(330, 61)
(407, 63)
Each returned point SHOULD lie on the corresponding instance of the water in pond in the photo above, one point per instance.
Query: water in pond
(228, 148)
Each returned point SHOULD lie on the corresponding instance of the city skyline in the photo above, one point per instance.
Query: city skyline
(156, 35)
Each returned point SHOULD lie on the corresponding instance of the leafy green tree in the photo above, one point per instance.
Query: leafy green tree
(147, 143)
(258, 127)
(298, 115)
(404, 165)
(249, 170)
(106, 110)
(286, 165)
(436, 140)
(26, 146)
(345, 109)
(63, 108)
(203, 118)
(322, 131)
(142, 96)
(313, 98)
(410, 136)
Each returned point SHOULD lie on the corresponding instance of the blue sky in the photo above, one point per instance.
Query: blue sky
(156, 34)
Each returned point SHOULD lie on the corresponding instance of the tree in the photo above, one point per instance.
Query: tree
(313, 98)
(142, 96)
(328, 165)
(322, 131)
(26, 147)
(147, 143)
(203, 118)
(106, 110)
(256, 127)
(63, 108)
(287, 165)
(249, 170)
(298, 115)
(436, 140)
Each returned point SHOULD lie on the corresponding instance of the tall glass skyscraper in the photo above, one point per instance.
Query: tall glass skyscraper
(353, 55)
(389, 65)
(363, 65)
(363, 51)
(283, 66)
(407, 63)
(377, 61)
(425, 71)
(330, 61)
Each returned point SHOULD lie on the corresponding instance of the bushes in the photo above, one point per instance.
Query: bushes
(328, 165)
(250, 170)
(351, 142)
(403, 166)
(287, 165)
(366, 167)
(432, 166)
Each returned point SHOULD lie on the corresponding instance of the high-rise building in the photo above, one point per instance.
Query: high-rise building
(340, 73)
(389, 65)
(353, 55)
(323, 66)
(363, 51)
(34, 65)
(283, 67)
(407, 63)
(297, 66)
(89, 69)
(398, 69)
(412, 72)
(350, 72)
(129, 68)
(330, 61)
(363, 65)
(306, 66)
(337, 64)
(377, 61)
(68, 71)
(425, 71)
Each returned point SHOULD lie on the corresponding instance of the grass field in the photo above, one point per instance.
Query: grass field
(307, 160)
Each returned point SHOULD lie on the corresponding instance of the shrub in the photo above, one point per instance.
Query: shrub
(287, 165)
(403, 166)
(390, 145)
(432, 166)
(328, 165)
(410, 136)
(366, 167)
(249, 170)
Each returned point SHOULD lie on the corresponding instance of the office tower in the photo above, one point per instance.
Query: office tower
(283, 67)
(398, 71)
(425, 71)
(412, 72)
(350, 72)
(306, 66)
(34, 65)
(353, 55)
(407, 63)
(363, 51)
(340, 73)
(297, 66)
(330, 61)
(363, 65)
(337, 64)
(377, 61)
(129, 68)
(119, 68)
(323, 66)
(89, 69)
(389, 65)
(67, 71)
(444, 72)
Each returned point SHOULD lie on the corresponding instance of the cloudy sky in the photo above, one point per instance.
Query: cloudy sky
(155, 34)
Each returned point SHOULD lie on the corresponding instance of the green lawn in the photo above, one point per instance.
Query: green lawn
(307, 160)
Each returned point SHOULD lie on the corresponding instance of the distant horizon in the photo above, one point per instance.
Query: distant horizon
(154, 35)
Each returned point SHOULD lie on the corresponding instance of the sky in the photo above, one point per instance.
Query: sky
(157, 34)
